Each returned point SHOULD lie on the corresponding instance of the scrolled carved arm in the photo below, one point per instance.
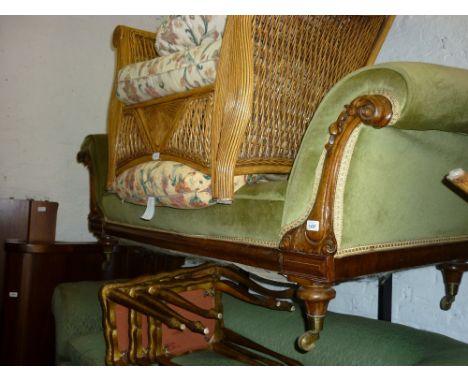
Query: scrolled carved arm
(318, 237)
(373, 110)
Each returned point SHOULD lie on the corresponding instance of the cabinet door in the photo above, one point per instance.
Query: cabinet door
(14, 224)
(28, 220)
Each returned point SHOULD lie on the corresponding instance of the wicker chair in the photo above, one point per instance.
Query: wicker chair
(272, 74)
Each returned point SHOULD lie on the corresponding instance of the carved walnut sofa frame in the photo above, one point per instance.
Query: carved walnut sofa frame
(304, 256)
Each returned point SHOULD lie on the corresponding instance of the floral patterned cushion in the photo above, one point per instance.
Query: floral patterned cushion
(172, 184)
(171, 74)
(178, 33)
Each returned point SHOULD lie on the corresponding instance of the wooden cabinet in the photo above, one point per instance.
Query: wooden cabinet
(28, 220)
(33, 271)
(32, 264)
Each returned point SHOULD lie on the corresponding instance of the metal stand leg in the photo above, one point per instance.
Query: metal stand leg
(385, 298)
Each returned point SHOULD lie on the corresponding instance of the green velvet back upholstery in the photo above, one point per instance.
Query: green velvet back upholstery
(97, 147)
(346, 340)
(395, 193)
(408, 159)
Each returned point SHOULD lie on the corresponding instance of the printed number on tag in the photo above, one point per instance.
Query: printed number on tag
(313, 225)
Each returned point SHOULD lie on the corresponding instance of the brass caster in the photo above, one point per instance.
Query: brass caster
(446, 302)
(306, 342)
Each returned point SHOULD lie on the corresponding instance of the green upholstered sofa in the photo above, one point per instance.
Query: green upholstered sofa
(346, 340)
(389, 192)
(359, 200)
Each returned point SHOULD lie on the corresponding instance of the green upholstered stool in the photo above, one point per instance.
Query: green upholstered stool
(345, 340)
(77, 313)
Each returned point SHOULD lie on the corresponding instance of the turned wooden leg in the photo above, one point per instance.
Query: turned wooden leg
(452, 274)
(108, 245)
(316, 298)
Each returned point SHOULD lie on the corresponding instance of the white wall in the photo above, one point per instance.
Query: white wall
(416, 293)
(55, 76)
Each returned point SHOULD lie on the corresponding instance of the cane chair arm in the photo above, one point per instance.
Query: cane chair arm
(133, 45)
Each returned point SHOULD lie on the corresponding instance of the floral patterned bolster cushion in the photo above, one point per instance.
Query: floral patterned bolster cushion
(170, 74)
(171, 183)
(179, 33)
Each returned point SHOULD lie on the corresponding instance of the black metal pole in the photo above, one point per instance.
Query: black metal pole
(385, 298)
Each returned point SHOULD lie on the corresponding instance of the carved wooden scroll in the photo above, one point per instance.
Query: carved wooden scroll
(373, 110)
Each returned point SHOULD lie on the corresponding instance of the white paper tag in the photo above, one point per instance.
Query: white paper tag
(313, 225)
(13, 294)
(41, 209)
(155, 156)
(150, 208)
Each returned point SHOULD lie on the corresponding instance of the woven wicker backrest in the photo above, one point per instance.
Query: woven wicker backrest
(297, 59)
(272, 74)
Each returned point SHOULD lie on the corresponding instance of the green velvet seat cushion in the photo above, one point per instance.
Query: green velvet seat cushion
(76, 310)
(87, 349)
(254, 216)
(345, 340)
